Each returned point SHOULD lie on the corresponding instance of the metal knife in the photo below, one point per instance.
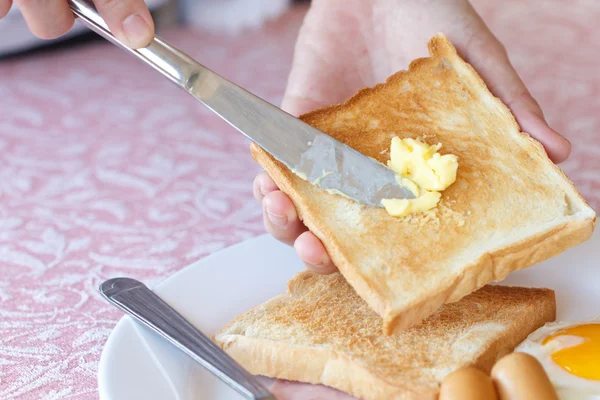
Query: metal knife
(308, 152)
(134, 298)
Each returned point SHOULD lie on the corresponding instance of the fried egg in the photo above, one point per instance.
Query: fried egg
(570, 355)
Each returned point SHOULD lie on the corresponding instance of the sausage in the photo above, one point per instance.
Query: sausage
(519, 376)
(467, 384)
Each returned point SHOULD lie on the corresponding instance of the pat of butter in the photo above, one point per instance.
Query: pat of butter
(424, 171)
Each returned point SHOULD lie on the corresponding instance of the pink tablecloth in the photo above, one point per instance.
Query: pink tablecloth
(106, 169)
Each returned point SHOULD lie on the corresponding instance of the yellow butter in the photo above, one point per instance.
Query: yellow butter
(402, 207)
(421, 169)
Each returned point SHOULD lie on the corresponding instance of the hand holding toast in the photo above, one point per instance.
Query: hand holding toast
(344, 46)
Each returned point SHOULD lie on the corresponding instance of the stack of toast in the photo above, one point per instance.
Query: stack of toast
(411, 302)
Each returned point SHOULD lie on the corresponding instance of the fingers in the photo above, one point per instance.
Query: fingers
(5, 7)
(324, 70)
(129, 20)
(282, 222)
(46, 19)
(491, 61)
(280, 217)
(297, 106)
(262, 185)
(530, 118)
(313, 253)
(279, 212)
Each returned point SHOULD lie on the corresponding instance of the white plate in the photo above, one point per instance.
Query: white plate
(137, 364)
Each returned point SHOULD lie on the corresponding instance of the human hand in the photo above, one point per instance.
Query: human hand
(345, 45)
(129, 20)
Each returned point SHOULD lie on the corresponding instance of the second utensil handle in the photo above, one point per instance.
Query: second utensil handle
(137, 300)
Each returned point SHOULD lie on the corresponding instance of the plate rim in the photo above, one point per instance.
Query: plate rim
(101, 382)
(589, 253)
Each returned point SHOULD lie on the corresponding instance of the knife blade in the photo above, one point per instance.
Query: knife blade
(306, 151)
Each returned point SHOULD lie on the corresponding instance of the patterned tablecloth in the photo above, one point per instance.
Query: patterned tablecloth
(106, 169)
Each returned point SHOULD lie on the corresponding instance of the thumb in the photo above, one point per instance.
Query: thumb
(489, 58)
(128, 20)
(298, 106)
(295, 103)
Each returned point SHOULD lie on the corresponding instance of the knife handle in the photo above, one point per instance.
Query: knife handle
(159, 54)
(138, 301)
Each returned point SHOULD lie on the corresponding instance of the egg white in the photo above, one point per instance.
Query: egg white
(568, 386)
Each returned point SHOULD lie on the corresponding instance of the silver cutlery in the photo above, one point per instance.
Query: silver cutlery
(308, 152)
(135, 299)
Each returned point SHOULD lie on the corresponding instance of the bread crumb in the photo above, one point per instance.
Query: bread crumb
(429, 217)
(374, 124)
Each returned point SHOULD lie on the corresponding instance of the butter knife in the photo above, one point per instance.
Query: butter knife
(308, 152)
(134, 298)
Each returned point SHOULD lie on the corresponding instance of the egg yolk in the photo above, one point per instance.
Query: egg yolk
(583, 359)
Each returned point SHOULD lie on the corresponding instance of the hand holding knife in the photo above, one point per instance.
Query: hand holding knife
(308, 152)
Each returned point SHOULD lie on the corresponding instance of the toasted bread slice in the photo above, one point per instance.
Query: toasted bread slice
(509, 208)
(321, 331)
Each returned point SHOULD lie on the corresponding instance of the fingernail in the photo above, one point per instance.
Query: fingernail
(316, 267)
(324, 261)
(277, 219)
(262, 190)
(136, 31)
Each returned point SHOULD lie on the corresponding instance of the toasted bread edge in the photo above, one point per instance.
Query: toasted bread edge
(318, 365)
(488, 267)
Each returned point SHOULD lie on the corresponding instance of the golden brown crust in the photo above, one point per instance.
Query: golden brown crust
(510, 207)
(321, 331)
(316, 366)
